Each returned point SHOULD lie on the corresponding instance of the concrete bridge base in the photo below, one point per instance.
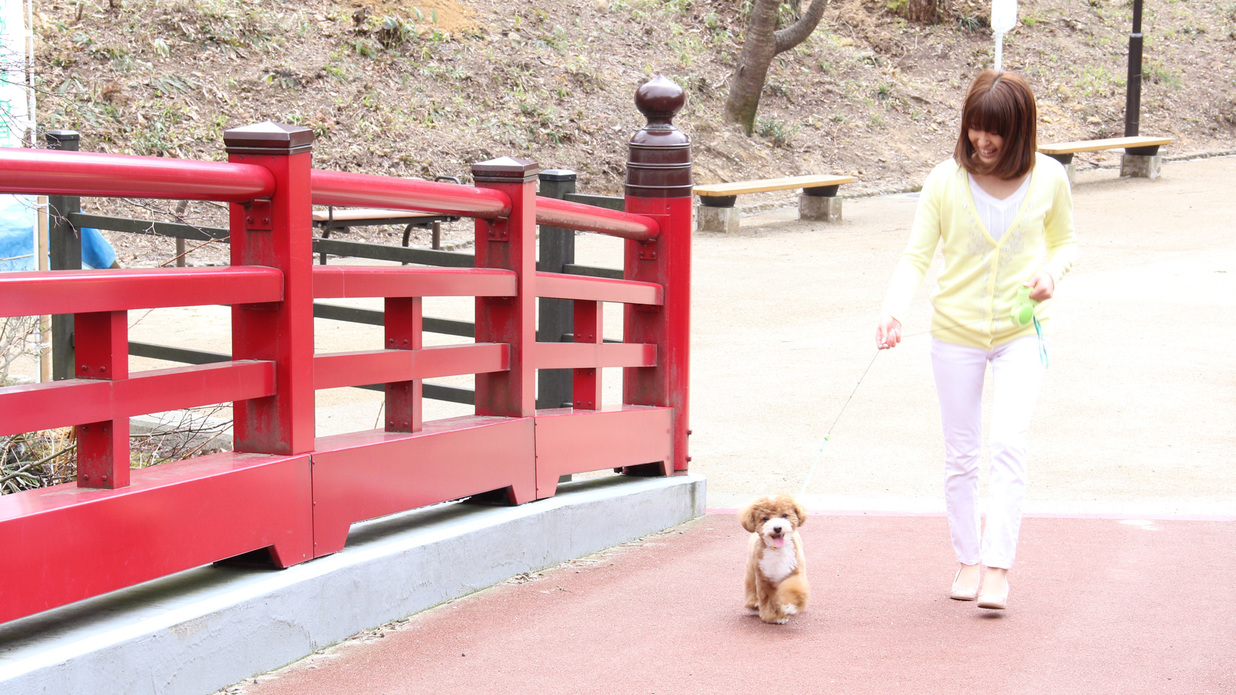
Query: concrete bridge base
(201, 630)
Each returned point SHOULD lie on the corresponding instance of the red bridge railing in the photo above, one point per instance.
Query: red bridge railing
(283, 490)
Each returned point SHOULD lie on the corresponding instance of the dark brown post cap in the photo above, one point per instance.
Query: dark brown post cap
(505, 170)
(268, 138)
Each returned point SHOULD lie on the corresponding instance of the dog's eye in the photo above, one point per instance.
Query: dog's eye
(766, 518)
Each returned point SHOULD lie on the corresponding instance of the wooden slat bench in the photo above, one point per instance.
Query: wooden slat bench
(1141, 153)
(819, 200)
(332, 219)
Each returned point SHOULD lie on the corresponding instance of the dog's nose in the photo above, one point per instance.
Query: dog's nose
(776, 528)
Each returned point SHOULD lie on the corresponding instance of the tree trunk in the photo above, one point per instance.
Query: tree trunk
(924, 11)
(762, 43)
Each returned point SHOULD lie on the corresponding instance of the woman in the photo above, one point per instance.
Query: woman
(1003, 215)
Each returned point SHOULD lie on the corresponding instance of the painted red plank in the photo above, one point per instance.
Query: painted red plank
(83, 291)
(562, 286)
(370, 474)
(337, 282)
(342, 369)
(33, 407)
(53, 172)
(594, 355)
(574, 441)
(172, 517)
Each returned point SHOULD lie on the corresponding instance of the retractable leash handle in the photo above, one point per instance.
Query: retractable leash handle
(1023, 307)
(1022, 314)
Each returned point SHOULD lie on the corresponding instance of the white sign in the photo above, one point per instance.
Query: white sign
(1003, 19)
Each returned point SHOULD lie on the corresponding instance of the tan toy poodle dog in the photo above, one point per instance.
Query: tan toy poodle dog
(776, 572)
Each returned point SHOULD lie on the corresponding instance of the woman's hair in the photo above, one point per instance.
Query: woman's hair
(999, 103)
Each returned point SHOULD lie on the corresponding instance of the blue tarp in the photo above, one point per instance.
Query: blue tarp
(17, 233)
(17, 217)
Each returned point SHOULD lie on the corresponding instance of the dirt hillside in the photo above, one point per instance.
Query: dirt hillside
(427, 87)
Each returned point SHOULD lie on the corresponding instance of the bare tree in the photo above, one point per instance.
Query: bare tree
(763, 42)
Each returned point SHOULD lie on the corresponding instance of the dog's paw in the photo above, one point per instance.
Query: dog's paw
(780, 621)
(789, 609)
(752, 606)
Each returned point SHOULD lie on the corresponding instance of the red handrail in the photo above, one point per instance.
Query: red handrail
(343, 188)
(52, 172)
(366, 190)
(587, 218)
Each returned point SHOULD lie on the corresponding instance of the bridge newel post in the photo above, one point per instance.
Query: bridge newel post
(276, 232)
(659, 185)
(509, 243)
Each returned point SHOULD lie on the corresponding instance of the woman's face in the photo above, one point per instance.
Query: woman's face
(986, 145)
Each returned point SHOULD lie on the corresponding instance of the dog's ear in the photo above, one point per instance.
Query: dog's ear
(747, 517)
(801, 512)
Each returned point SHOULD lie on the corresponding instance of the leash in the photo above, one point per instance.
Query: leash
(1038, 329)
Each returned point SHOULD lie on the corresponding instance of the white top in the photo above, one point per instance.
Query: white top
(997, 214)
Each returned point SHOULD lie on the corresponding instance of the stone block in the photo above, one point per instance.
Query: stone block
(819, 207)
(1140, 165)
(710, 219)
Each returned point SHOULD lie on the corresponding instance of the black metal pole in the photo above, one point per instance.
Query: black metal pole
(65, 252)
(1133, 95)
(557, 317)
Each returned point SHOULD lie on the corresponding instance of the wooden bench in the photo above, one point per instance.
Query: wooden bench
(332, 219)
(819, 200)
(1141, 153)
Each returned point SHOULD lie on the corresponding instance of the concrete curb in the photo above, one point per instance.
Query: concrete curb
(204, 629)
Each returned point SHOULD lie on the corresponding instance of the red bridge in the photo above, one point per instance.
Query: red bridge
(282, 490)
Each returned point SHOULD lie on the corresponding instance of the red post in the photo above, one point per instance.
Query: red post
(509, 243)
(659, 185)
(404, 321)
(276, 232)
(586, 383)
(102, 347)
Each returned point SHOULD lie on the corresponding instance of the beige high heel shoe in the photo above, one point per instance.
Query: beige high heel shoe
(966, 590)
(995, 599)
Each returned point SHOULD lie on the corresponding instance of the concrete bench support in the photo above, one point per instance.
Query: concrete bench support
(819, 201)
(1140, 165)
(716, 219)
(820, 204)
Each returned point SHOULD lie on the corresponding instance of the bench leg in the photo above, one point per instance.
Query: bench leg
(1140, 165)
(819, 207)
(716, 219)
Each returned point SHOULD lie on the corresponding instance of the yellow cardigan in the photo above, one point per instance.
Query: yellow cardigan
(979, 282)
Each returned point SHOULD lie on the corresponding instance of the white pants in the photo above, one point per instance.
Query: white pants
(1017, 373)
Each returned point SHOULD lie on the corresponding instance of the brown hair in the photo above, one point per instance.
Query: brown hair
(1000, 103)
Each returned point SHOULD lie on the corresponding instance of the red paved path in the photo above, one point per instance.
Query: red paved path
(1097, 606)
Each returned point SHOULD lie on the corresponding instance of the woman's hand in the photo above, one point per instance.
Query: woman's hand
(1042, 287)
(888, 333)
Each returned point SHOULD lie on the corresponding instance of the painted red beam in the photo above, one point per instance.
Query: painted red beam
(33, 407)
(53, 172)
(363, 475)
(66, 543)
(562, 286)
(589, 218)
(573, 441)
(367, 190)
(392, 366)
(125, 289)
(339, 282)
(594, 355)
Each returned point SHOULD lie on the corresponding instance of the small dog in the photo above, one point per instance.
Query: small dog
(776, 572)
